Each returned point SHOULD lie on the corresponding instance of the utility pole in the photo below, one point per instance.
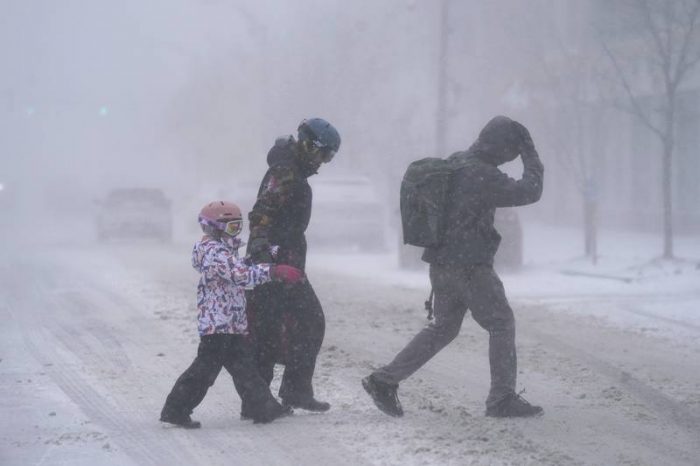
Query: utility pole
(441, 113)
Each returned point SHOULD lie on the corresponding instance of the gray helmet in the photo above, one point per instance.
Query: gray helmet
(319, 132)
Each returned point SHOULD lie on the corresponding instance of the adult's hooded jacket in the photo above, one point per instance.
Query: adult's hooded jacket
(283, 207)
(478, 188)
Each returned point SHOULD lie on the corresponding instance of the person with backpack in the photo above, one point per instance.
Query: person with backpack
(222, 321)
(289, 323)
(461, 242)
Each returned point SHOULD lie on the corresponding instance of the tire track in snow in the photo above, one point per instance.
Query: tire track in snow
(661, 404)
(40, 340)
(668, 320)
(263, 444)
(138, 444)
(627, 303)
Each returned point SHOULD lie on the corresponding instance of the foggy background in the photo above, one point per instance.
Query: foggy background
(183, 99)
(188, 96)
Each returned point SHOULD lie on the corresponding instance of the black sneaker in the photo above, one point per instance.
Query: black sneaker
(384, 396)
(309, 404)
(514, 405)
(273, 410)
(184, 421)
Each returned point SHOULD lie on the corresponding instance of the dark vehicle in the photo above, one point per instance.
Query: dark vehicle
(135, 213)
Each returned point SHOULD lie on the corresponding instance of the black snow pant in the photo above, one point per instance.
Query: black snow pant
(457, 289)
(288, 326)
(233, 352)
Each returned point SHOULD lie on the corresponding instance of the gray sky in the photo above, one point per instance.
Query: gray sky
(98, 91)
(182, 94)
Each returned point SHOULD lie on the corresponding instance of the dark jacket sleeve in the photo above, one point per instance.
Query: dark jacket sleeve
(273, 195)
(503, 191)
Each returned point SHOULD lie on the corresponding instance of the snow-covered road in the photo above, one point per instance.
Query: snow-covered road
(93, 338)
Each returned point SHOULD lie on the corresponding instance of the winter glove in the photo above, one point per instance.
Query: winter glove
(527, 146)
(259, 250)
(286, 274)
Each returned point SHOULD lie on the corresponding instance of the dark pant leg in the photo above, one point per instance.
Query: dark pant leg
(265, 308)
(491, 310)
(239, 361)
(191, 387)
(449, 285)
(305, 336)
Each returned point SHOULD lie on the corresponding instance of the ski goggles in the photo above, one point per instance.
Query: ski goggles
(231, 228)
(325, 153)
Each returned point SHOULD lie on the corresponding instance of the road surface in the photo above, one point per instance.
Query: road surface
(94, 336)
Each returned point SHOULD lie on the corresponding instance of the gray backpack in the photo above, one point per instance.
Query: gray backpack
(425, 190)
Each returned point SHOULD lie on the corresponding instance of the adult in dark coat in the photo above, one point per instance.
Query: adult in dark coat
(288, 321)
(461, 269)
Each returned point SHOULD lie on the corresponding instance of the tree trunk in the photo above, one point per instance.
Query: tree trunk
(590, 229)
(668, 144)
(590, 219)
(667, 201)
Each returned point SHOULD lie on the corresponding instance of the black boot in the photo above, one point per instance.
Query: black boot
(246, 414)
(247, 411)
(271, 411)
(514, 405)
(384, 396)
(182, 420)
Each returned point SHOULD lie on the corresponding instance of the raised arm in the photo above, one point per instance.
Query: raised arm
(507, 192)
(504, 191)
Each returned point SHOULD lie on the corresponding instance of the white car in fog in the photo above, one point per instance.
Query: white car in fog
(347, 212)
(134, 213)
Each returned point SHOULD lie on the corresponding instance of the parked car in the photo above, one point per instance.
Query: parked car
(134, 213)
(347, 213)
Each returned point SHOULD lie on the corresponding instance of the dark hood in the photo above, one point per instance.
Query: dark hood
(499, 141)
(282, 152)
(286, 152)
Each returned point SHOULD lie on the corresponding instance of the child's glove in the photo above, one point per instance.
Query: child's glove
(286, 274)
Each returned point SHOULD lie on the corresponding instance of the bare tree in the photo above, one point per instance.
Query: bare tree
(565, 92)
(665, 35)
(570, 97)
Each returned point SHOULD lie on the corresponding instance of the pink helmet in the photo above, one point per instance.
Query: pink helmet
(220, 217)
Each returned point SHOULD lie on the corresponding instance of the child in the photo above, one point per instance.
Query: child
(223, 325)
